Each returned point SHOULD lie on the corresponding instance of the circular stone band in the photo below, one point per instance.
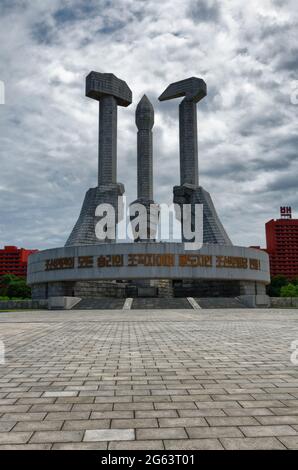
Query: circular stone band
(148, 260)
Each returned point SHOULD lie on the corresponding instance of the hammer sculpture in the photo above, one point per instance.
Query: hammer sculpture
(194, 89)
(111, 92)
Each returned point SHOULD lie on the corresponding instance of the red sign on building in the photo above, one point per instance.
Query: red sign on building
(286, 212)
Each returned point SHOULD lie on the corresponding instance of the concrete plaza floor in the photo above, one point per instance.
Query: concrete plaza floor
(139, 379)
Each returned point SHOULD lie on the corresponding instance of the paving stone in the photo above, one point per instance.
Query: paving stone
(176, 406)
(96, 407)
(260, 403)
(232, 421)
(252, 443)
(71, 415)
(292, 419)
(283, 411)
(133, 406)
(20, 395)
(136, 445)
(109, 435)
(77, 425)
(161, 433)
(217, 404)
(134, 423)
(14, 437)
(57, 436)
(75, 400)
(22, 416)
(112, 415)
(193, 444)
(274, 430)
(35, 401)
(290, 403)
(60, 394)
(50, 408)
(80, 446)
(248, 411)
(7, 401)
(214, 431)
(181, 422)
(152, 398)
(291, 442)
(38, 426)
(157, 414)
(14, 408)
(25, 447)
(108, 399)
(231, 397)
(6, 425)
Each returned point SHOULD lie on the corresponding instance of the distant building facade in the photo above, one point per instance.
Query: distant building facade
(14, 260)
(282, 244)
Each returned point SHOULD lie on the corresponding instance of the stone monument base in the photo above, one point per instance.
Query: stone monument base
(102, 289)
(149, 269)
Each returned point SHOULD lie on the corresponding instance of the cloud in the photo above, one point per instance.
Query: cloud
(204, 11)
(247, 126)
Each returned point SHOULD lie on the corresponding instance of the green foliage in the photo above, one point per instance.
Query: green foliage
(277, 282)
(6, 279)
(14, 287)
(289, 291)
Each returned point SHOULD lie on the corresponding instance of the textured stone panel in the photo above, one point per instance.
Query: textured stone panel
(83, 232)
(213, 230)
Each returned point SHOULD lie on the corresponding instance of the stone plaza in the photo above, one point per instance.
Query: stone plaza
(149, 379)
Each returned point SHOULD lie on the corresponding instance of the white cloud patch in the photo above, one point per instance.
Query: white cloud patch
(245, 51)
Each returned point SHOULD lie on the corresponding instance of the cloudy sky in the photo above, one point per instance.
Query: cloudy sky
(247, 125)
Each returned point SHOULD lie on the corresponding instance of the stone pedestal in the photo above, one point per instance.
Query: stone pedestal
(83, 232)
(213, 230)
(253, 294)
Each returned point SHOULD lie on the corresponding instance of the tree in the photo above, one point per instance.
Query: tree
(289, 291)
(5, 281)
(14, 286)
(277, 282)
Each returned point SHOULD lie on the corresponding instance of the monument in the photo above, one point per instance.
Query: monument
(145, 123)
(110, 92)
(189, 191)
(103, 267)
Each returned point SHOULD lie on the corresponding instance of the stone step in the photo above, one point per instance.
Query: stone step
(101, 303)
(160, 303)
(219, 302)
(152, 303)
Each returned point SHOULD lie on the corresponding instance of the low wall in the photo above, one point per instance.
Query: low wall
(23, 304)
(283, 302)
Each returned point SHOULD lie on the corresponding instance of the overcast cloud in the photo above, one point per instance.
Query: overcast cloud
(246, 52)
